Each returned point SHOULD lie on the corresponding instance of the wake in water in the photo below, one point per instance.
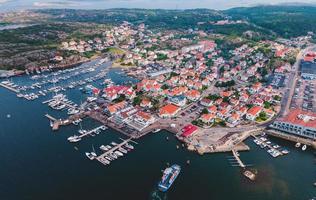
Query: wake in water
(157, 195)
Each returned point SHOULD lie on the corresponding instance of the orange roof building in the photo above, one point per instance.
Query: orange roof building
(168, 110)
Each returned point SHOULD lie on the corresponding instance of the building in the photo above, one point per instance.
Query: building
(253, 112)
(168, 111)
(188, 130)
(297, 122)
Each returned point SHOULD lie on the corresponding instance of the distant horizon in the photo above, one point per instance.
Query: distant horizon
(17, 5)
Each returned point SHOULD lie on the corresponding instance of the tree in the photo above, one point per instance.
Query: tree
(205, 111)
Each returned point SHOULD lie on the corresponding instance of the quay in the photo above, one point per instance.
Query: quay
(10, 88)
(59, 122)
(100, 157)
(51, 117)
(292, 138)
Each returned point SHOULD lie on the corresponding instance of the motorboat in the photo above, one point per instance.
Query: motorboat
(297, 145)
(304, 147)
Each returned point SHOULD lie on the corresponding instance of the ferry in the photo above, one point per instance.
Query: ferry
(169, 176)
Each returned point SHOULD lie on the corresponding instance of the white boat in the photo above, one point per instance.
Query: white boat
(103, 128)
(118, 153)
(129, 146)
(297, 145)
(156, 130)
(304, 147)
(113, 143)
(284, 151)
(122, 150)
(74, 138)
(103, 148)
(82, 131)
(90, 156)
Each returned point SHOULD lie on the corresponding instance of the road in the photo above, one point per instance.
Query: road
(292, 79)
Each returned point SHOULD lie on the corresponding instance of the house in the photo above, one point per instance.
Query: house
(234, 119)
(169, 110)
(212, 109)
(143, 118)
(193, 95)
(178, 100)
(253, 112)
(208, 118)
(206, 102)
(146, 103)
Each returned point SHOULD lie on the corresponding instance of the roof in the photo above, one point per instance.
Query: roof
(254, 110)
(300, 117)
(188, 130)
(169, 109)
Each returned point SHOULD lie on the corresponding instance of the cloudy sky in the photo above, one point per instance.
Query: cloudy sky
(6, 5)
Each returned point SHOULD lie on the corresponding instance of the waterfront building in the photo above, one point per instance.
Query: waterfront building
(297, 122)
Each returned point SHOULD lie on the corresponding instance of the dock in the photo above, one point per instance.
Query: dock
(269, 146)
(236, 155)
(91, 131)
(100, 157)
(10, 88)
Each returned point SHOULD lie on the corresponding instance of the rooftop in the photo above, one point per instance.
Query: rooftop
(300, 117)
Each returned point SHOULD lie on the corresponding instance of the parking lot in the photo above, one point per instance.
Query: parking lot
(304, 95)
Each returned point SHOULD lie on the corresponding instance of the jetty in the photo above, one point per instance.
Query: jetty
(236, 155)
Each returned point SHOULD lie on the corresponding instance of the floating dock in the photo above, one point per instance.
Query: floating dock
(101, 157)
(10, 88)
(236, 155)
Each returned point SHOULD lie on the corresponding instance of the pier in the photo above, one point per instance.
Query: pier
(51, 117)
(236, 155)
(101, 157)
(9, 88)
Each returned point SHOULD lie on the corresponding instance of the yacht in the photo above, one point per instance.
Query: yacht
(118, 153)
(90, 156)
(122, 150)
(103, 148)
(129, 146)
(113, 143)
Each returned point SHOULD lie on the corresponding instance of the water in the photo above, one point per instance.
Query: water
(37, 163)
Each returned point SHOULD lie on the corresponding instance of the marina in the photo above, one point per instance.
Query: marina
(84, 133)
(273, 149)
(116, 151)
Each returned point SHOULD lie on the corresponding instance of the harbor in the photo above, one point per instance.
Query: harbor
(152, 153)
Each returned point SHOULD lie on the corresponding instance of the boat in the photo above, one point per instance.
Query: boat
(169, 176)
(285, 151)
(90, 156)
(122, 150)
(113, 143)
(103, 128)
(74, 138)
(103, 148)
(304, 147)
(156, 130)
(297, 145)
(129, 146)
(118, 153)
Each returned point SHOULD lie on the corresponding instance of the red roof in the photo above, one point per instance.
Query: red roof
(300, 117)
(188, 130)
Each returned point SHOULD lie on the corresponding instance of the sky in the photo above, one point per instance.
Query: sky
(9, 5)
